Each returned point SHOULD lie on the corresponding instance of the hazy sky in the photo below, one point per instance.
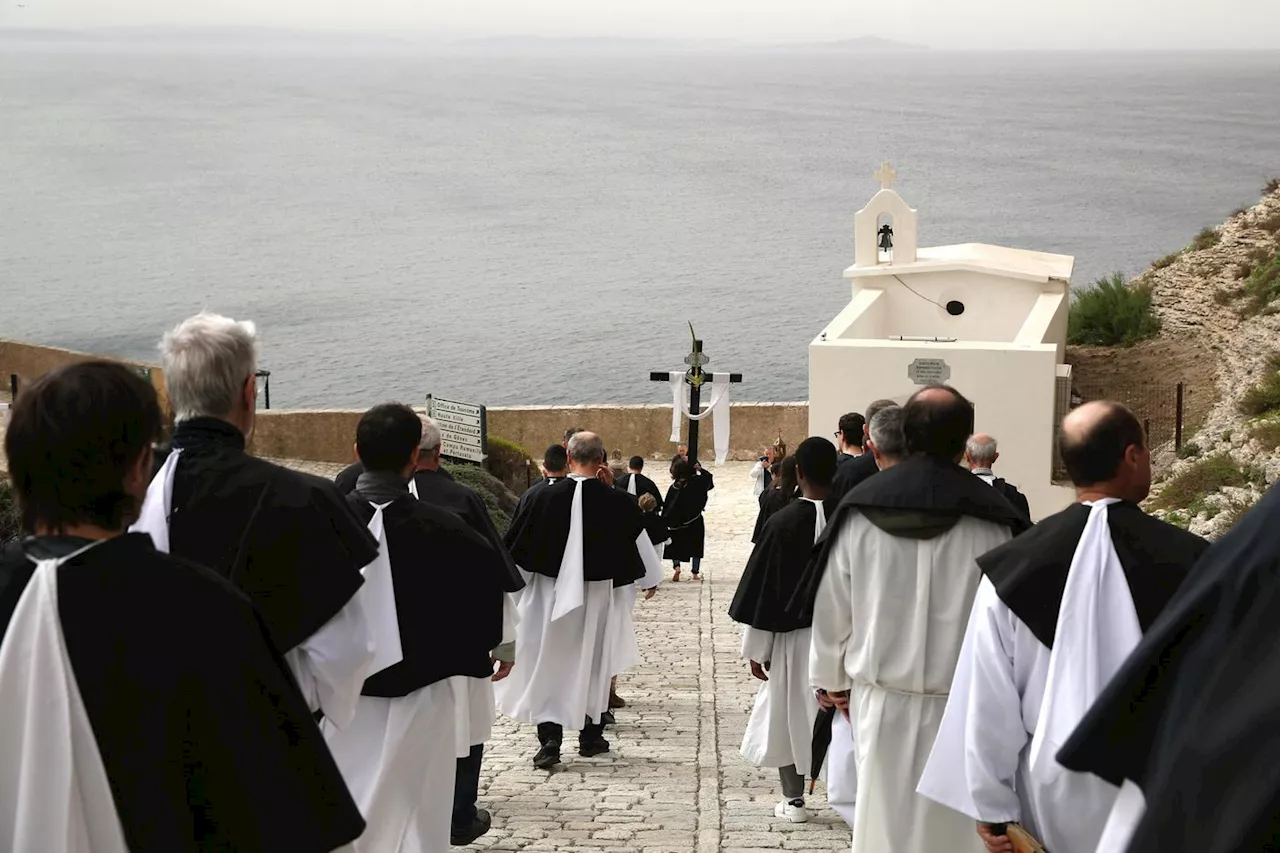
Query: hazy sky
(939, 23)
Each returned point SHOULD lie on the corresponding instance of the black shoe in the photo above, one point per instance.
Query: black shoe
(480, 824)
(592, 748)
(548, 755)
(607, 719)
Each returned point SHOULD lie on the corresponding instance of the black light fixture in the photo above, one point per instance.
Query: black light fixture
(955, 308)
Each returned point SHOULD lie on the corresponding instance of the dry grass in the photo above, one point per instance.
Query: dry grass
(1189, 487)
(1270, 224)
(1206, 239)
(1272, 185)
(1266, 433)
(1166, 261)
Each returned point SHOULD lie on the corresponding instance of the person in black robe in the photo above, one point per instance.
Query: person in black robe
(287, 539)
(400, 751)
(682, 512)
(781, 493)
(347, 477)
(205, 740)
(850, 474)
(1016, 624)
(555, 467)
(642, 484)
(851, 438)
(434, 486)
(1188, 722)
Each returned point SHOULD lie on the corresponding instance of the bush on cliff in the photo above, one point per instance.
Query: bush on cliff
(1264, 398)
(511, 464)
(1263, 284)
(498, 499)
(1112, 313)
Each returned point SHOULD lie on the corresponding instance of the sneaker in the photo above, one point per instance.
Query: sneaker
(607, 719)
(792, 811)
(548, 755)
(480, 824)
(592, 748)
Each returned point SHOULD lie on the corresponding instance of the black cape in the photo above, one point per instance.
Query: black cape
(920, 498)
(775, 568)
(347, 477)
(656, 528)
(439, 489)
(611, 524)
(287, 539)
(1015, 498)
(771, 500)
(1191, 716)
(644, 486)
(528, 496)
(851, 474)
(448, 584)
(1029, 573)
(207, 743)
(682, 513)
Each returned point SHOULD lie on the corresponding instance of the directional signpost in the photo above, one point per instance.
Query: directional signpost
(463, 428)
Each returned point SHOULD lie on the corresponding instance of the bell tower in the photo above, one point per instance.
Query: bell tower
(886, 208)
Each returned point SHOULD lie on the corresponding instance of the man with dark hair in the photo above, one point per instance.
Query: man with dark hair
(635, 483)
(583, 545)
(145, 706)
(399, 753)
(781, 725)
(433, 485)
(1057, 611)
(555, 467)
(286, 538)
(853, 471)
(898, 573)
(850, 437)
(682, 513)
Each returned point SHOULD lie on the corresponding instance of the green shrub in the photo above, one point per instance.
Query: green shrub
(1263, 284)
(511, 464)
(1111, 313)
(498, 499)
(1188, 450)
(1273, 185)
(10, 518)
(1266, 433)
(1264, 397)
(1206, 239)
(1189, 487)
(1177, 519)
(1166, 261)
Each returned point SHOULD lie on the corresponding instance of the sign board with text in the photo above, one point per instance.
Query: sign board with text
(928, 371)
(463, 428)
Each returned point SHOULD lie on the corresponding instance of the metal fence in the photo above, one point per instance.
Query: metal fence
(1160, 407)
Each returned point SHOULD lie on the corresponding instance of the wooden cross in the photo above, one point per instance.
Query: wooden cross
(694, 377)
(886, 176)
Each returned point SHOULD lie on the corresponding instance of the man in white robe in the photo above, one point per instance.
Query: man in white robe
(581, 545)
(399, 753)
(897, 581)
(1057, 611)
(780, 730)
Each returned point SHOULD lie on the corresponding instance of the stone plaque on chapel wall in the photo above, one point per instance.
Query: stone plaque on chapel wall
(928, 371)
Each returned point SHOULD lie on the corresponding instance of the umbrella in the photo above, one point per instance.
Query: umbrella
(820, 743)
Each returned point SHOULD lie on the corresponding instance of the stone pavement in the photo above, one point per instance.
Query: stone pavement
(674, 781)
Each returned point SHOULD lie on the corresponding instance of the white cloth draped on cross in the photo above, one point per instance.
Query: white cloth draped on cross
(719, 406)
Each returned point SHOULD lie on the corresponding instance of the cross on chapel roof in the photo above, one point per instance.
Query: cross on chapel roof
(886, 176)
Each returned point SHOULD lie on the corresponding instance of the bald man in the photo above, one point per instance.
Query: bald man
(1057, 611)
(980, 454)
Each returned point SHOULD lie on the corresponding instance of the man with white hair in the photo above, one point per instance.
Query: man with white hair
(980, 454)
(581, 544)
(287, 539)
(433, 485)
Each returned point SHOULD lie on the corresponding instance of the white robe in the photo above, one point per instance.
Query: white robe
(54, 792)
(1011, 694)
(888, 623)
(842, 770)
(474, 703)
(780, 730)
(399, 759)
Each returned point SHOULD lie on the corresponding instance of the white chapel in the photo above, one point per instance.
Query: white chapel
(990, 321)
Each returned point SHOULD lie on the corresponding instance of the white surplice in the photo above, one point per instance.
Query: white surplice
(842, 770)
(889, 621)
(54, 793)
(474, 704)
(399, 759)
(1014, 702)
(780, 730)
(331, 665)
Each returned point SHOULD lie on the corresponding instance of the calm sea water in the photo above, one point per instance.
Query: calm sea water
(538, 229)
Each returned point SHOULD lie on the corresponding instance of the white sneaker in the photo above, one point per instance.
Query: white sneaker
(789, 811)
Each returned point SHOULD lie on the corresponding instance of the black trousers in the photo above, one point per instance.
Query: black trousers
(548, 732)
(466, 789)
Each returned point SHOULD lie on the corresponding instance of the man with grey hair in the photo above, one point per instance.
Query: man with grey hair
(287, 539)
(854, 471)
(980, 454)
(433, 485)
(582, 546)
(887, 441)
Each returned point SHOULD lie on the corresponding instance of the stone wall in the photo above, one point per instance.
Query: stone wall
(29, 362)
(328, 435)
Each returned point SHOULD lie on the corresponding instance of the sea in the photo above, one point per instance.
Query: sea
(513, 224)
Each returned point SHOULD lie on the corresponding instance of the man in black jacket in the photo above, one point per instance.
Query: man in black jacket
(853, 471)
(980, 454)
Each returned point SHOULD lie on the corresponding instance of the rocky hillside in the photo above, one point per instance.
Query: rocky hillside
(1219, 305)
